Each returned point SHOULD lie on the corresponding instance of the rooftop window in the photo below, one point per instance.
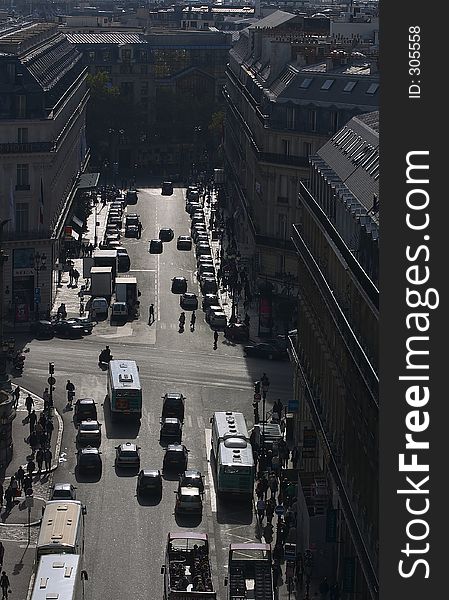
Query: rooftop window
(327, 84)
(350, 86)
(305, 83)
(372, 89)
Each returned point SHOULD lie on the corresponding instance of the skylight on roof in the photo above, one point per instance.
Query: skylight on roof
(350, 86)
(305, 83)
(327, 84)
(372, 88)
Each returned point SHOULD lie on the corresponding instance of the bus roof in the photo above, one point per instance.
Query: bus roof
(124, 374)
(236, 456)
(251, 546)
(230, 423)
(126, 279)
(59, 526)
(187, 535)
(56, 577)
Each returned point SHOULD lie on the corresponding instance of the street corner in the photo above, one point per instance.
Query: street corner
(26, 511)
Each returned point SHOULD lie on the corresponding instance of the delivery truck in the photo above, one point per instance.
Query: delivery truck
(126, 291)
(187, 571)
(101, 282)
(106, 258)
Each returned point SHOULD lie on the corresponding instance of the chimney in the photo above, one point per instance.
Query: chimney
(257, 9)
(329, 63)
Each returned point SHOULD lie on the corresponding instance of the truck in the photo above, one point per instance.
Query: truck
(249, 572)
(101, 282)
(187, 567)
(126, 291)
(106, 258)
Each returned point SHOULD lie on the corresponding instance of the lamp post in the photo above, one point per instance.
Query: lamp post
(40, 264)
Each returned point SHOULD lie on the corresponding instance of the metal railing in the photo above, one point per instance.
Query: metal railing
(26, 148)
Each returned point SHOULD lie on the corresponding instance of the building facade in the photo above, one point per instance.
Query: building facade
(43, 99)
(335, 357)
(288, 90)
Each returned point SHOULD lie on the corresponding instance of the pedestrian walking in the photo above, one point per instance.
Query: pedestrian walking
(269, 509)
(27, 483)
(29, 403)
(32, 420)
(273, 484)
(139, 229)
(20, 476)
(2, 554)
(4, 584)
(46, 398)
(2, 493)
(192, 321)
(260, 509)
(215, 339)
(71, 276)
(276, 465)
(70, 389)
(39, 459)
(14, 486)
(39, 430)
(324, 588)
(278, 407)
(9, 499)
(33, 442)
(268, 533)
(151, 314)
(31, 466)
(49, 428)
(277, 574)
(76, 276)
(16, 396)
(47, 458)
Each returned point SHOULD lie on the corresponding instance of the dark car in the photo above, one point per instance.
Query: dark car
(68, 329)
(238, 332)
(189, 301)
(171, 429)
(132, 231)
(179, 285)
(175, 458)
(191, 207)
(198, 233)
(166, 234)
(131, 197)
(63, 491)
(155, 247)
(132, 219)
(203, 249)
(149, 481)
(85, 408)
(209, 285)
(192, 478)
(173, 405)
(266, 351)
(89, 433)
(210, 300)
(127, 455)
(184, 242)
(188, 501)
(89, 460)
(86, 323)
(42, 329)
(167, 188)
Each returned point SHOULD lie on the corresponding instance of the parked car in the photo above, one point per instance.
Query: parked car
(184, 242)
(68, 329)
(63, 491)
(119, 312)
(127, 455)
(265, 351)
(210, 300)
(166, 234)
(100, 305)
(89, 433)
(111, 237)
(131, 197)
(189, 501)
(238, 332)
(192, 191)
(167, 188)
(175, 458)
(179, 285)
(112, 228)
(149, 481)
(197, 233)
(88, 460)
(203, 249)
(86, 323)
(205, 259)
(192, 478)
(192, 206)
(218, 320)
(211, 309)
(209, 285)
(85, 409)
(123, 260)
(198, 220)
(155, 247)
(206, 272)
(42, 329)
(173, 405)
(188, 301)
(202, 238)
(171, 430)
(131, 231)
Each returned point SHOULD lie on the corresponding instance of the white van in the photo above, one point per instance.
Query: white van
(100, 306)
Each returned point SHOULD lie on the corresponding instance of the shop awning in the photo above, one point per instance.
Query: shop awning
(88, 181)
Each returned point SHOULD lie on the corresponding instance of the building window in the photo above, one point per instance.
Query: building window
(312, 120)
(144, 88)
(11, 69)
(283, 186)
(282, 226)
(22, 135)
(23, 177)
(290, 117)
(286, 147)
(91, 56)
(307, 149)
(333, 121)
(106, 56)
(281, 263)
(22, 216)
(21, 106)
(126, 54)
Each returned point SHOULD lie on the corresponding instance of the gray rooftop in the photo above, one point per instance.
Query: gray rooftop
(273, 20)
(112, 37)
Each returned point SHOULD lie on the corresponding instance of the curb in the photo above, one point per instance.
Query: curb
(32, 523)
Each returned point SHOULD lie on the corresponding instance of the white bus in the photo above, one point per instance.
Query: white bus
(233, 453)
(124, 389)
(62, 528)
(59, 576)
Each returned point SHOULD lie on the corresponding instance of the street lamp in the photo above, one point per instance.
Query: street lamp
(40, 264)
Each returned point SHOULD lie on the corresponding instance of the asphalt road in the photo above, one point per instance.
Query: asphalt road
(124, 542)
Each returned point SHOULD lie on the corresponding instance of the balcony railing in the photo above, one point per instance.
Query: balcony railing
(360, 359)
(12, 236)
(364, 555)
(26, 148)
(283, 159)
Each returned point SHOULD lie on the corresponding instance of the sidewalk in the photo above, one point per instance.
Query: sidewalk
(69, 294)
(20, 431)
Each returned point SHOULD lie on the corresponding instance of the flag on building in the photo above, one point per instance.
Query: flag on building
(41, 204)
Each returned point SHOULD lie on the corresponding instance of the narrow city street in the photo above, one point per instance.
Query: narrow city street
(124, 541)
